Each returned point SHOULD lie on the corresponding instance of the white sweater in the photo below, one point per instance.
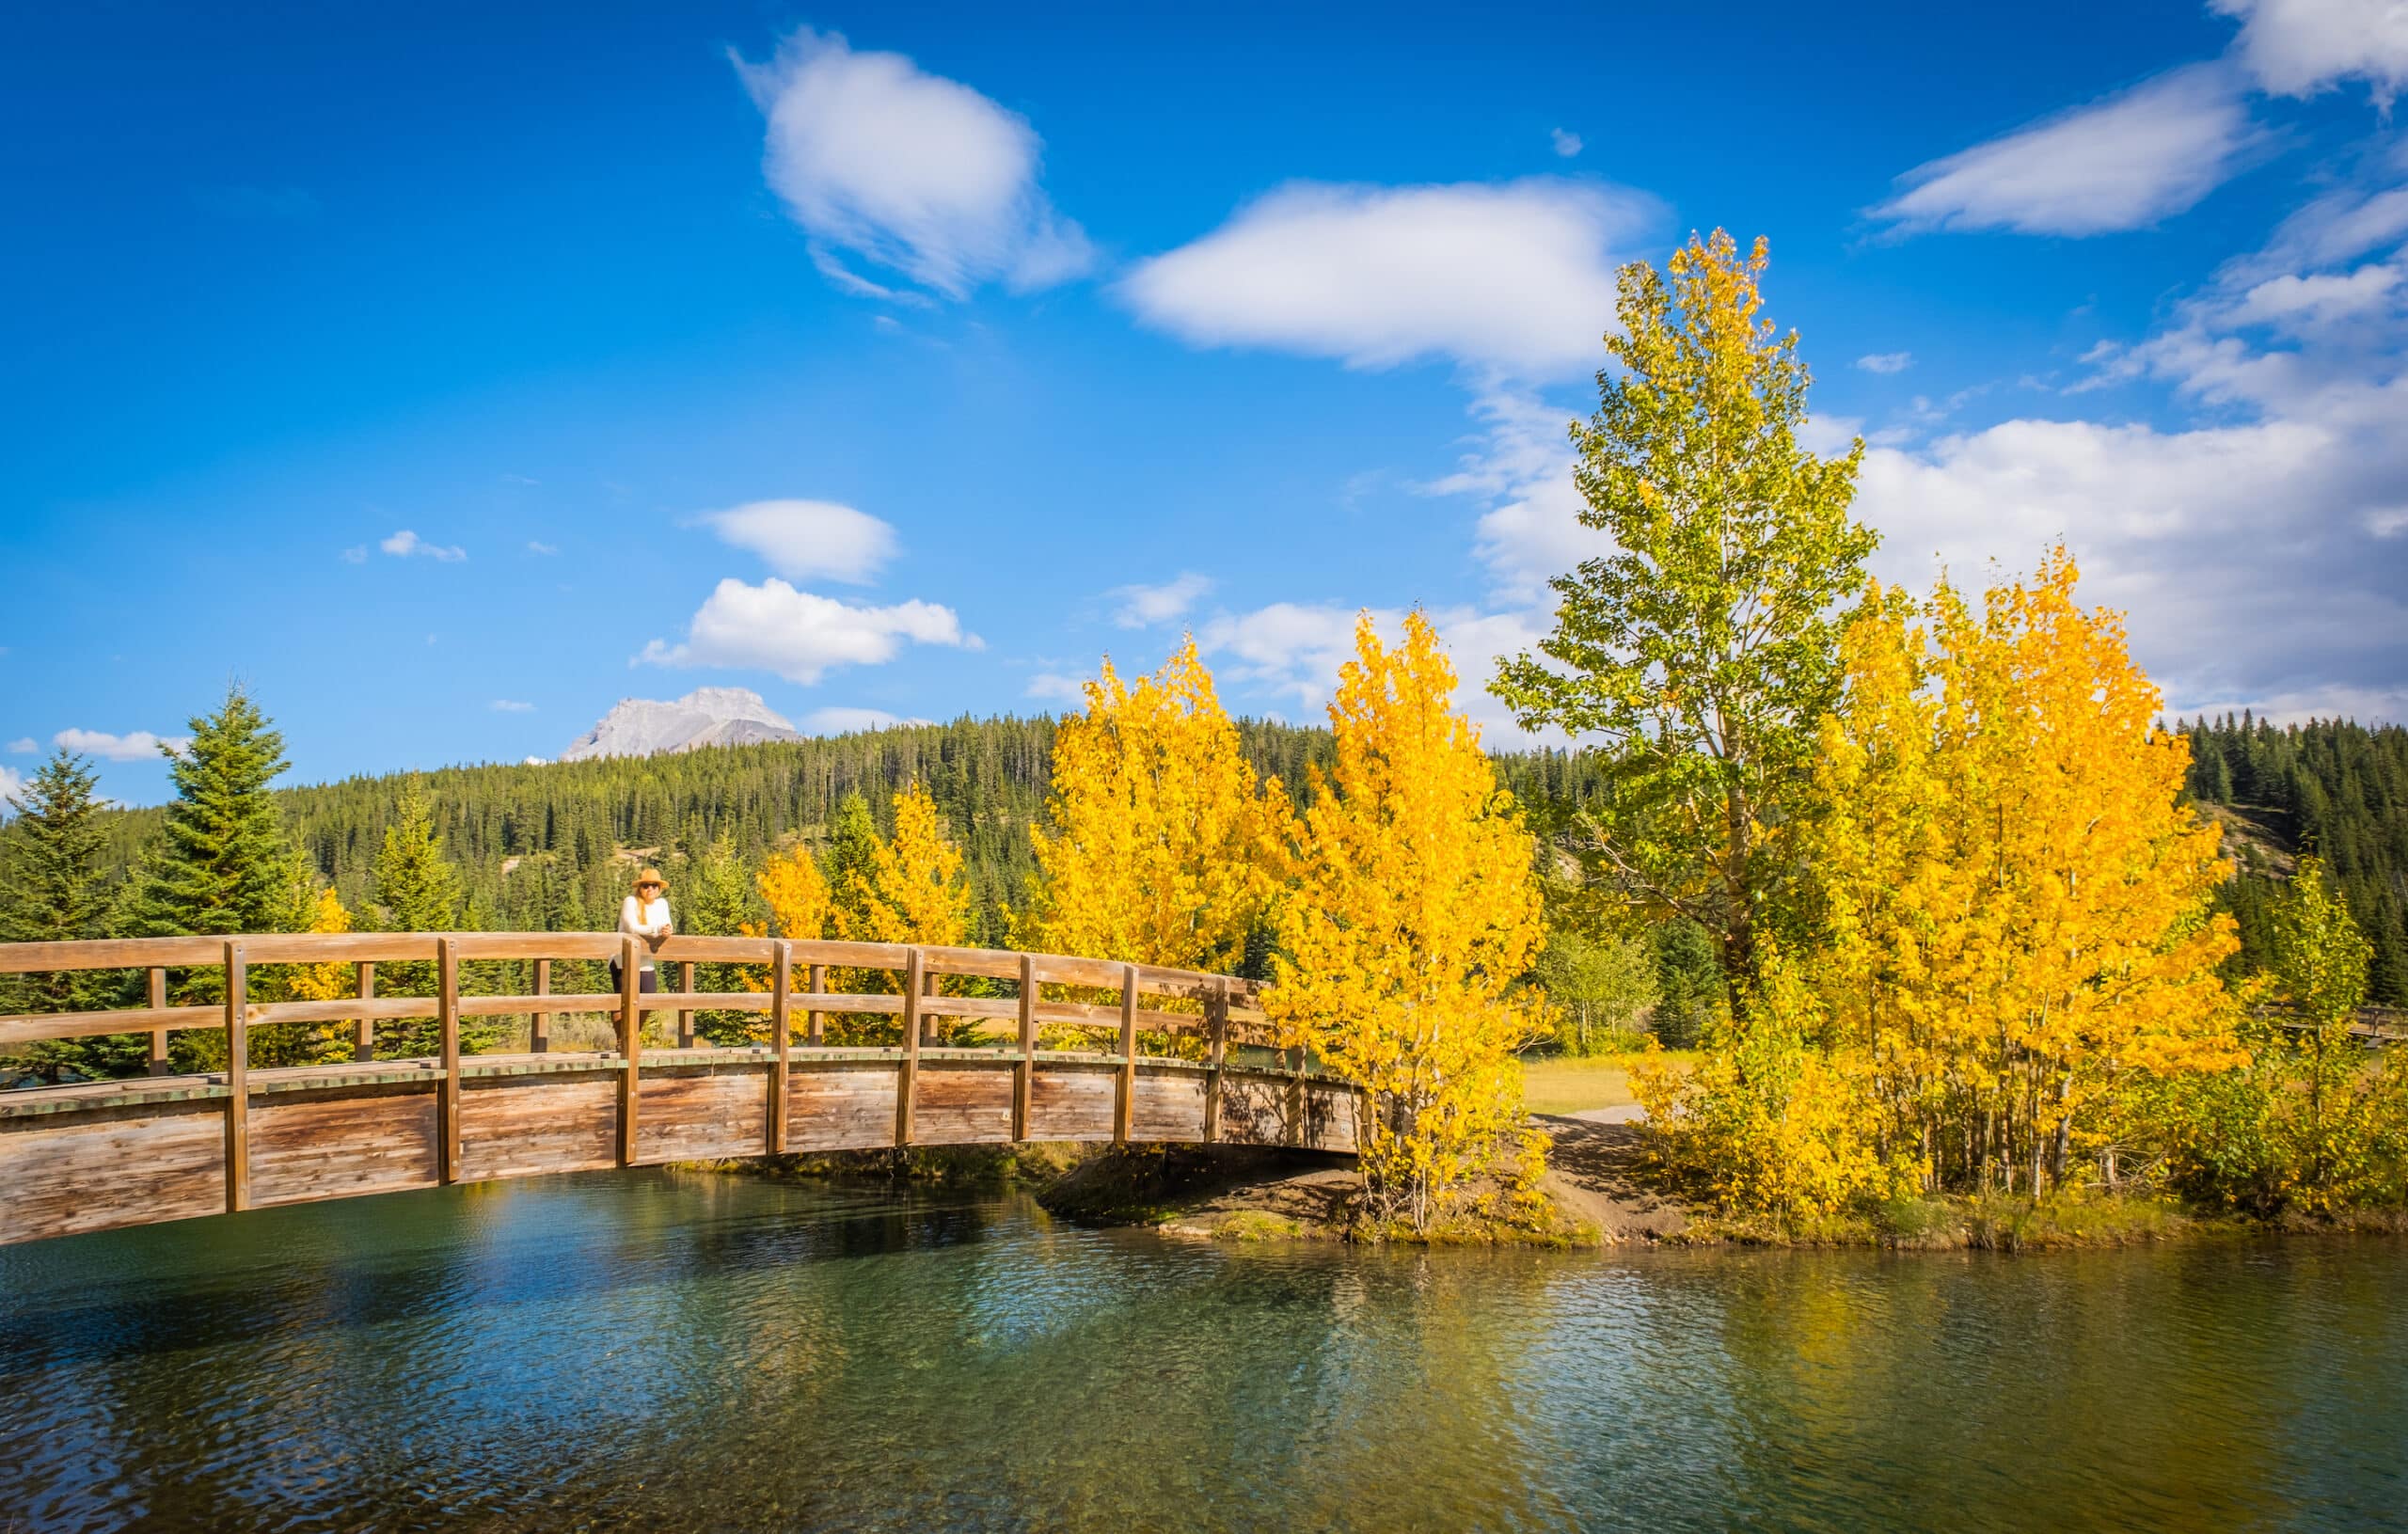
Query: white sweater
(636, 917)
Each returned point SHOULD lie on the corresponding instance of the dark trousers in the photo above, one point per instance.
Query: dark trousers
(647, 981)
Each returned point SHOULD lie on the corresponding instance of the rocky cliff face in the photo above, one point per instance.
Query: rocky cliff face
(705, 717)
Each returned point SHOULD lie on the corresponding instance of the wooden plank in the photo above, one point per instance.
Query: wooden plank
(308, 1146)
(682, 1001)
(447, 1017)
(1056, 969)
(347, 1010)
(130, 1166)
(1169, 1104)
(1071, 1101)
(991, 963)
(814, 1035)
(631, 1047)
(548, 1004)
(840, 1104)
(685, 1009)
(25, 1027)
(856, 1006)
(905, 1073)
(158, 1036)
(112, 954)
(1002, 1007)
(713, 950)
(858, 956)
(363, 1033)
(520, 1125)
(238, 1090)
(780, 1032)
(1216, 1030)
(1027, 1006)
(959, 1102)
(1125, 1098)
(702, 1112)
(539, 1022)
(538, 945)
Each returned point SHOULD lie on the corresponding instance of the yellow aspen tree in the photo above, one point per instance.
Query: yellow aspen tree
(1416, 908)
(2017, 898)
(314, 1043)
(796, 894)
(1165, 846)
(913, 891)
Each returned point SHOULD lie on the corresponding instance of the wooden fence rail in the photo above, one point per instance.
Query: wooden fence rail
(93, 1155)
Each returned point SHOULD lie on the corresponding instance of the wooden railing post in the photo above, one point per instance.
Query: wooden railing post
(630, 1049)
(363, 1031)
(686, 1018)
(812, 1030)
(238, 1086)
(1124, 1102)
(781, 1027)
(158, 1036)
(907, 1073)
(1216, 1030)
(447, 1017)
(539, 1024)
(1024, 1073)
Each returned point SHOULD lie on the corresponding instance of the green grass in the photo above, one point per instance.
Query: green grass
(1566, 1084)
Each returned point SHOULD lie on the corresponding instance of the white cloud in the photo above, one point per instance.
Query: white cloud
(2298, 47)
(1521, 467)
(1567, 144)
(511, 705)
(908, 170)
(536, 761)
(2293, 302)
(1055, 688)
(134, 746)
(802, 540)
(1293, 651)
(1143, 607)
(12, 785)
(2118, 164)
(839, 722)
(1886, 361)
(802, 634)
(24, 746)
(535, 547)
(405, 544)
(356, 554)
(1518, 277)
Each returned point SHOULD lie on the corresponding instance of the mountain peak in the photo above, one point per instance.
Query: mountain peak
(705, 717)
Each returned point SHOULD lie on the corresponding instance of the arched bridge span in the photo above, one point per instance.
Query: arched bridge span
(1157, 1055)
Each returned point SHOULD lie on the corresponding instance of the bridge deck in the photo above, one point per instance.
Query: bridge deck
(91, 1156)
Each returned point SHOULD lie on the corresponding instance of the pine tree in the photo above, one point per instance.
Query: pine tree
(718, 903)
(51, 890)
(852, 859)
(226, 864)
(420, 892)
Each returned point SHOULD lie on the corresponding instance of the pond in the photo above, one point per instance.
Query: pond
(686, 1351)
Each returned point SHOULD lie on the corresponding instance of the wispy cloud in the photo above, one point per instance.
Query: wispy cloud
(1055, 687)
(1143, 607)
(2118, 164)
(22, 746)
(907, 170)
(1887, 361)
(546, 550)
(511, 705)
(405, 544)
(839, 722)
(2298, 47)
(1566, 143)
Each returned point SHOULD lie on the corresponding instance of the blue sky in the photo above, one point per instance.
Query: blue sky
(446, 378)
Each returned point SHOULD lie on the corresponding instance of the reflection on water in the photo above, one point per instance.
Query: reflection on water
(657, 1351)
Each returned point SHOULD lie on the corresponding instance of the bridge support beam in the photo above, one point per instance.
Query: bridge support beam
(238, 1084)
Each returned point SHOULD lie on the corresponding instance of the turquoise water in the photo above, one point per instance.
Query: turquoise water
(659, 1350)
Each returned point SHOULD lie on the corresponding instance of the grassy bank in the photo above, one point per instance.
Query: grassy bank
(1571, 1084)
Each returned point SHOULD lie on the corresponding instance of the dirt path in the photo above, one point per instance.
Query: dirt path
(1597, 1172)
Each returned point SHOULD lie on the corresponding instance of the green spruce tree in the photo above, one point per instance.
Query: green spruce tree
(226, 863)
(51, 890)
(718, 900)
(417, 890)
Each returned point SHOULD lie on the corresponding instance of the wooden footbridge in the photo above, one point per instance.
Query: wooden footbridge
(1179, 1060)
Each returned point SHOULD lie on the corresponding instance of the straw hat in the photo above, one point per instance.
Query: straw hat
(651, 876)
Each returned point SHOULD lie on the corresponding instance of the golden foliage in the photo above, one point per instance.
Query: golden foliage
(796, 894)
(1165, 846)
(312, 1043)
(913, 891)
(1416, 909)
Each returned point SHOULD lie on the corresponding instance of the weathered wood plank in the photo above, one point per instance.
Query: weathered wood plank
(1124, 1090)
(522, 1126)
(158, 990)
(446, 985)
(238, 1094)
(369, 1140)
(815, 1031)
(539, 1022)
(782, 1034)
(841, 1105)
(630, 1046)
(1074, 1102)
(958, 1103)
(701, 1112)
(363, 1033)
(908, 1072)
(1168, 1104)
(1025, 1072)
(1216, 1032)
(25, 1027)
(107, 1167)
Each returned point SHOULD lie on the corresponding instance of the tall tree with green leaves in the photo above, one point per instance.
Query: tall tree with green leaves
(853, 856)
(51, 890)
(226, 863)
(719, 902)
(417, 891)
(1701, 651)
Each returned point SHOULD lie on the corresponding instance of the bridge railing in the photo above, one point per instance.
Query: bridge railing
(794, 999)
